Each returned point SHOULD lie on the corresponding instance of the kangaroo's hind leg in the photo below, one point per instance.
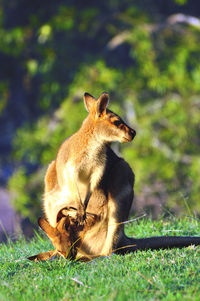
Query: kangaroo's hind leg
(120, 197)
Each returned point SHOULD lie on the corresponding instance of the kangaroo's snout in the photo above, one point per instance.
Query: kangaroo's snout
(132, 133)
(129, 135)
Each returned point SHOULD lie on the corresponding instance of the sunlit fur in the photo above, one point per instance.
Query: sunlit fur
(81, 159)
(77, 174)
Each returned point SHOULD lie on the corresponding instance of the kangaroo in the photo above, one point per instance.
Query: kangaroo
(89, 179)
(64, 238)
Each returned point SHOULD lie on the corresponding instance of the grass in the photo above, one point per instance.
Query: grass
(159, 275)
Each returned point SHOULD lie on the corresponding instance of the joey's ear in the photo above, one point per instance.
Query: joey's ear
(63, 223)
(102, 103)
(89, 101)
(43, 256)
(47, 228)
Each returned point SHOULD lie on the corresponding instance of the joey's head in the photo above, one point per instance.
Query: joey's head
(64, 236)
(108, 126)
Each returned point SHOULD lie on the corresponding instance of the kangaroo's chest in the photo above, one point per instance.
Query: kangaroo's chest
(82, 177)
(85, 171)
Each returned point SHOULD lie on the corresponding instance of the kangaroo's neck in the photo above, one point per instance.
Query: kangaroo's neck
(90, 154)
(88, 143)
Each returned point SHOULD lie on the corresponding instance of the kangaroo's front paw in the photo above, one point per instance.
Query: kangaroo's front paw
(80, 218)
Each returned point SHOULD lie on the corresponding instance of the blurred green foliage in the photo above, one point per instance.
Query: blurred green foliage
(147, 62)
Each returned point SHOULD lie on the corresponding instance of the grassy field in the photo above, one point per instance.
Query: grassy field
(159, 275)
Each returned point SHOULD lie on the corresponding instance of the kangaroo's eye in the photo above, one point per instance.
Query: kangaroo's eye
(117, 122)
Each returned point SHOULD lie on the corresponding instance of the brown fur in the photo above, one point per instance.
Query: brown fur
(64, 237)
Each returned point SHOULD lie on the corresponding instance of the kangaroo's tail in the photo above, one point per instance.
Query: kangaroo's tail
(127, 244)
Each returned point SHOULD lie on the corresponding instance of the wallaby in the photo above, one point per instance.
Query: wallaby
(64, 238)
(89, 179)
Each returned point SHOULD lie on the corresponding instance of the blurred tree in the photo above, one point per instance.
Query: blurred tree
(144, 53)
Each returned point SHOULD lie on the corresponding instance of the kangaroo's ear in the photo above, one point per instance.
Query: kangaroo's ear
(47, 228)
(89, 101)
(102, 104)
(63, 223)
(43, 256)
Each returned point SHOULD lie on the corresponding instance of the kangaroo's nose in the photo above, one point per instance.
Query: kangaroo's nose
(132, 133)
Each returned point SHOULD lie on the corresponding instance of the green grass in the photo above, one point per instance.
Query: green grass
(159, 275)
